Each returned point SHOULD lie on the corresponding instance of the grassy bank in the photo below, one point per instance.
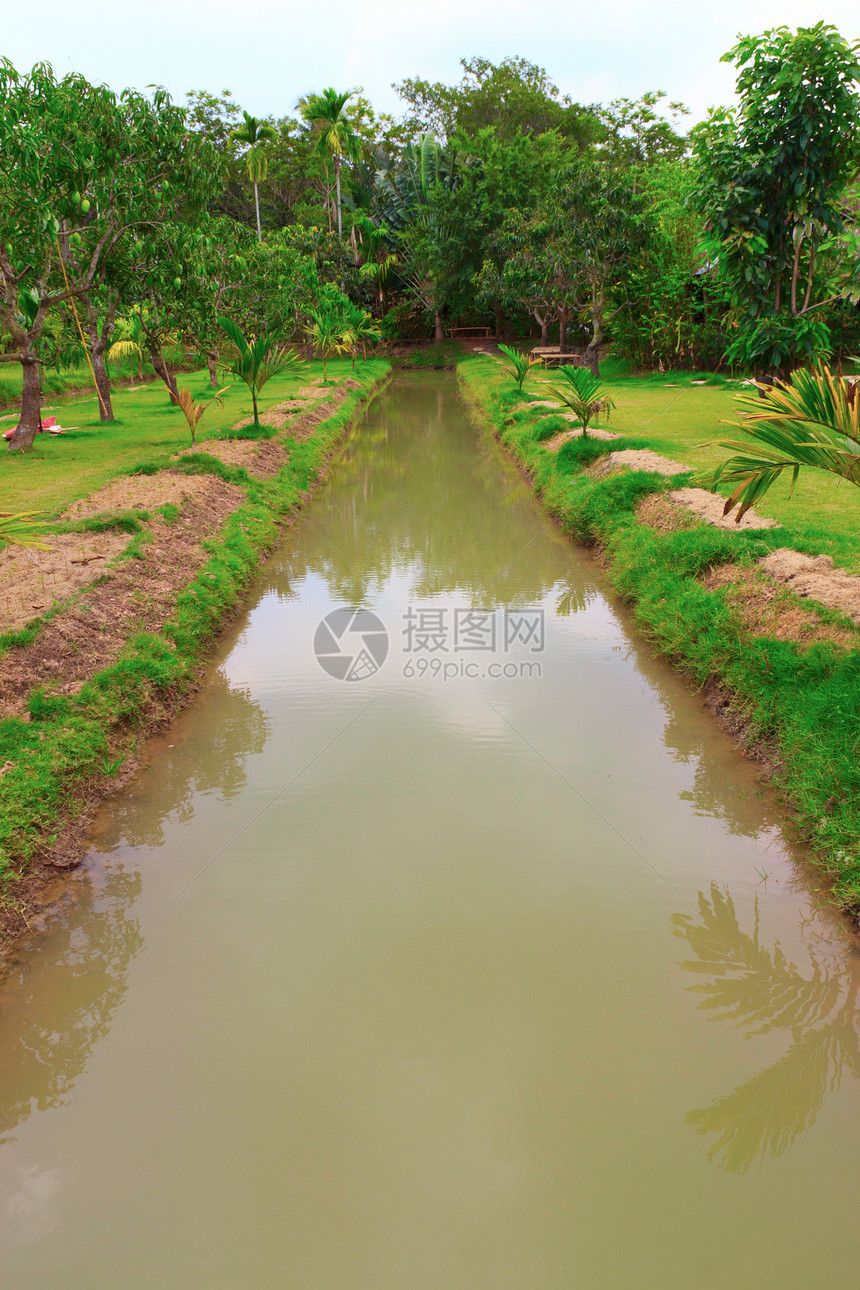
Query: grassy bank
(62, 751)
(796, 705)
(677, 416)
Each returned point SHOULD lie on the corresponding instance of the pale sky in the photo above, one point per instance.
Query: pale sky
(270, 54)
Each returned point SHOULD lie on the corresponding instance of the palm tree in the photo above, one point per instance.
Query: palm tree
(814, 421)
(362, 329)
(336, 137)
(256, 134)
(257, 361)
(520, 362)
(128, 341)
(583, 394)
(329, 334)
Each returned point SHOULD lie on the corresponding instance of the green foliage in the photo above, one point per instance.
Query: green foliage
(584, 394)
(257, 361)
(329, 333)
(22, 529)
(520, 362)
(516, 98)
(811, 422)
(774, 189)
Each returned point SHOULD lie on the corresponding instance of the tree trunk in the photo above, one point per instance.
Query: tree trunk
(592, 349)
(562, 329)
(499, 321)
(254, 401)
(440, 330)
(102, 381)
(544, 329)
(31, 404)
(257, 207)
(212, 364)
(99, 343)
(163, 371)
(337, 185)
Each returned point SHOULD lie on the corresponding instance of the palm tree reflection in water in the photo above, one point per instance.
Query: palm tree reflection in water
(759, 991)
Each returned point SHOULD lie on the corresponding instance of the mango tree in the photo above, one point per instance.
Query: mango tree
(774, 190)
(81, 170)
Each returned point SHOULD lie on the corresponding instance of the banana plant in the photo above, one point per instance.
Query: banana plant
(813, 421)
(257, 360)
(584, 394)
(521, 363)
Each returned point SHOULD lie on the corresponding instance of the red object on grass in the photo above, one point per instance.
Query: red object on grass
(45, 424)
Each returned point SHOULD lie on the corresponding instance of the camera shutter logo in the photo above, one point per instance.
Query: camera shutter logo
(351, 644)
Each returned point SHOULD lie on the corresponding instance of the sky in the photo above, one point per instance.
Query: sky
(269, 54)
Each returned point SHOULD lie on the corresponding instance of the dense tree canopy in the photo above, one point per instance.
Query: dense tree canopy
(497, 201)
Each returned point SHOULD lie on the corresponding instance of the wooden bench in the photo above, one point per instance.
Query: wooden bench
(474, 333)
(554, 358)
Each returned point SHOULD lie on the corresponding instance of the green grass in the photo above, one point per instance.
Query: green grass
(60, 386)
(803, 704)
(677, 418)
(68, 738)
(61, 470)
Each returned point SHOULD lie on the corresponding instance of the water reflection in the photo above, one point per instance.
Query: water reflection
(59, 1021)
(211, 748)
(61, 1015)
(758, 990)
(410, 489)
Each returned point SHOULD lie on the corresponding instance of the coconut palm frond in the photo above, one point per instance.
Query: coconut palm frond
(193, 410)
(20, 529)
(583, 393)
(811, 422)
(257, 360)
(521, 363)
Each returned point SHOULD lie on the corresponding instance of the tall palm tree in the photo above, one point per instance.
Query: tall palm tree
(256, 134)
(335, 137)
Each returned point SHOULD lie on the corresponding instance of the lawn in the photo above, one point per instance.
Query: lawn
(59, 384)
(676, 418)
(60, 470)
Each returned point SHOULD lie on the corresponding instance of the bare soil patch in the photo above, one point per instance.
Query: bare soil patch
(140, 493)
(553, 444)
(709, 506)
(261, 457)
(641, 459)
(306, 423)
(765, 608)
(31, 581)
(815, 577)
(135, 595)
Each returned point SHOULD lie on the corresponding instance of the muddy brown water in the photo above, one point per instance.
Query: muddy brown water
(495, 978)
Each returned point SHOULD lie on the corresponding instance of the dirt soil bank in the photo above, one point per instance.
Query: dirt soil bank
(170, 575)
